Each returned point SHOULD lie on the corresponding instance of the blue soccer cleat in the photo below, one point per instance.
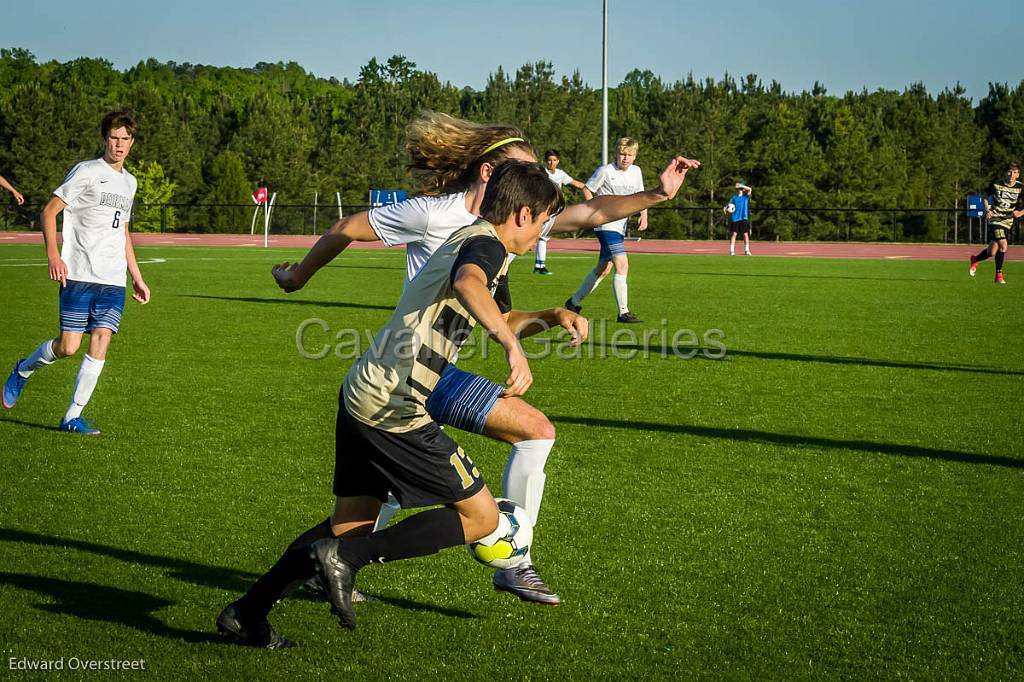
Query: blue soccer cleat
(78, 425)
(13, 386)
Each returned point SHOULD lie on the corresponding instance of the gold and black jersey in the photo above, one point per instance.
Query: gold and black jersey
(389, 385)
(1005, 199)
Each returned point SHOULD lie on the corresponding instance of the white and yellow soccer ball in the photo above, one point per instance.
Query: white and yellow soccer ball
(510, 541)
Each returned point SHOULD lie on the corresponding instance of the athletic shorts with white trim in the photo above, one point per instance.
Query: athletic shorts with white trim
(85, 306)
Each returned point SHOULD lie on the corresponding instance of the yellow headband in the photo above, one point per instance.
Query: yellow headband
(501, 143)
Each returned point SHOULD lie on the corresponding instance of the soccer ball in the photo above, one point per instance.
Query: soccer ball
(510, 541)
(729, 209)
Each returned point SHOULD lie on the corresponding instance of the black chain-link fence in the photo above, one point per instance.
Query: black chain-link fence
(786, 224)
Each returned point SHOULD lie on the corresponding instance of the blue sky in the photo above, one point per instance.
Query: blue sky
(845, 45)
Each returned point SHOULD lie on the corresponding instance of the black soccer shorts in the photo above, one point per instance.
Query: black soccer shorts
(421, 468)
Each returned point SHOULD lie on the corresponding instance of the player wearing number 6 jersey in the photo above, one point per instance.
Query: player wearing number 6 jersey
(96, 200)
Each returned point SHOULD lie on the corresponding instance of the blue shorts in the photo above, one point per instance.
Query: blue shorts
(612, 244)
(85, 306)
(463, 400)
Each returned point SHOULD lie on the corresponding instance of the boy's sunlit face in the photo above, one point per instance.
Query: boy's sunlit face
(118, 143)
(1013, 174)
(624, 158)
(552, 163)
(532, 233)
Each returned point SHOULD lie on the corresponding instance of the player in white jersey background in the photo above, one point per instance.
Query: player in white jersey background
(453, 161)
(617, 178)
(96, 200)
(561, 179)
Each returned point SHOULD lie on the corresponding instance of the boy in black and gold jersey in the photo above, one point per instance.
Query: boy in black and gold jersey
(1007, 206)
(386, 439)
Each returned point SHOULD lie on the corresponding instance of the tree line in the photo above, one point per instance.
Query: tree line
(208, 135)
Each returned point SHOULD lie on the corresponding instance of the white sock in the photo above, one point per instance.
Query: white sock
(386, 513)
(621, 293)
(41, 357)
(542, 253)
(523, 482)
(590, 283)
(85, 382)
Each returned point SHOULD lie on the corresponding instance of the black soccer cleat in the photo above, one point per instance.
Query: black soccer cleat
(314, 587)
(523, 582)
(255, 632)
(569, 305)
(629, 318)
(338, 577)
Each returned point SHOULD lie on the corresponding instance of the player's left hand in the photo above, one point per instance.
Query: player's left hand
(141, 291)
(18, 198)
(675, 173)
(577, 326)
(642, 226)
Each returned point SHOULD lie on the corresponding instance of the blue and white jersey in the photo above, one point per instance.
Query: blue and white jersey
(99, 205)
(608, 179)
(742, 203)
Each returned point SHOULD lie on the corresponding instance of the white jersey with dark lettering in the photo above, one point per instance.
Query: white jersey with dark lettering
(99, 206)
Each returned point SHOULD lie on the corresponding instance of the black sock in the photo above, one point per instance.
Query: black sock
(294, 567)
(982, 256)
(1000, 257)
(418, 535)
(317, 532)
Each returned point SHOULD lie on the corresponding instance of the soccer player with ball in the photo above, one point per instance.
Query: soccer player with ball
(738, 212)
(453, 160)
(386, 441)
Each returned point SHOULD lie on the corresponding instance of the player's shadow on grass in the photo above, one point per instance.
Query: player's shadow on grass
(90, 601)
(32, 425)
(699, 353)
(294, 301)
(788, 440)
(228, 579)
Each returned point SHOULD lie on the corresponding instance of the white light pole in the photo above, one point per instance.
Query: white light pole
(604, 89)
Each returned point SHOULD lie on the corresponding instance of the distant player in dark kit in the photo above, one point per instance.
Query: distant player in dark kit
(1007, 206)
(739, 217)
(96, 198)
(385, 439)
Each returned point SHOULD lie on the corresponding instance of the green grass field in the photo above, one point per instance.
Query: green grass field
(841, 496)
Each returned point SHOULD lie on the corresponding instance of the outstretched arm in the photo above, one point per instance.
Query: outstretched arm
(470, 288)
(10, 188)
(605, 209)
(353, 228)
(526, 324)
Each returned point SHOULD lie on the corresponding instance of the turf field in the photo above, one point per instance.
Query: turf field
(841, 495)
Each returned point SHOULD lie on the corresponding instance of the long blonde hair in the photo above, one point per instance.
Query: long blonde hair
(445, 152)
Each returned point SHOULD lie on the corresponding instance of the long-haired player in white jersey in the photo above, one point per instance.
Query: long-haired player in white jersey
(561, 179)
(96, 199)
(452, 160)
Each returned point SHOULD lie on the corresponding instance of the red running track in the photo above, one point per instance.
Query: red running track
(791, 249)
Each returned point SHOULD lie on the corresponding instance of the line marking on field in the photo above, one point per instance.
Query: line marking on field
(12, 238)
(798, 253)
(896, 257)
(187, 239)
(39, 263)
(705, 250)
